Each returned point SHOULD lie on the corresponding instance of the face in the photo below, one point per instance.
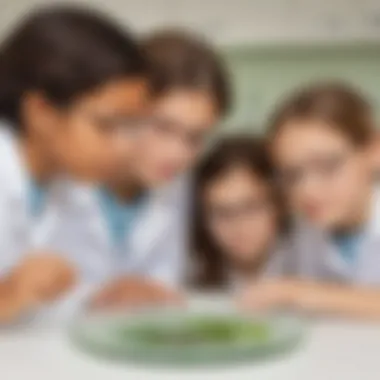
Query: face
(240, 216)
(376, 155)
(324, 175)
(176, 128)
(90, 138)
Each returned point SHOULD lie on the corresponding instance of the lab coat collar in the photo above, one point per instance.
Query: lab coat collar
(17, 177)
(157, 216)
(150, 226)
(16, 182)
(82, 199)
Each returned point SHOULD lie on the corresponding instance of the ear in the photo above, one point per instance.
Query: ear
(37, 112)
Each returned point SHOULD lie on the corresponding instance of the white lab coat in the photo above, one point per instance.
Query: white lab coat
(72, 225)
(311, 254)
(155, 247)
(20, 232)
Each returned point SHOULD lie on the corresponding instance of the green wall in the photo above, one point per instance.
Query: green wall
(262, 75)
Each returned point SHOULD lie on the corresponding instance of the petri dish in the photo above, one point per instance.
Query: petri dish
(173, 336)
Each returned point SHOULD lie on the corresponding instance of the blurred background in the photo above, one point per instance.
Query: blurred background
(271, 46)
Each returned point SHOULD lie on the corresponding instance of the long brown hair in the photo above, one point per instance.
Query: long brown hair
(209, 269)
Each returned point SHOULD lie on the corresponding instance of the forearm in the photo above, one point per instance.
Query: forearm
(335, 299)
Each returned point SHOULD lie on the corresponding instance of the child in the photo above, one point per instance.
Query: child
(70, 81)
(322, 144)
(138, 220)
(238, 220)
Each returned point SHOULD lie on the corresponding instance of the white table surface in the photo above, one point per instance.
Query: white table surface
(334, 350)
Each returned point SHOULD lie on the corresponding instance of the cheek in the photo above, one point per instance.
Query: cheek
(224, 236)
(262, 231)
(92, 153)
(219, 233)
(90, 145)
(334, 196)
(352, 182)
(246, 236)
(344, 186)
(154, 148)
(125, 150)
(158, 153)
(149, 157)
(358, 171)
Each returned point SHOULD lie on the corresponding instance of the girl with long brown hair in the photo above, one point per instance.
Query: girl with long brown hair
(238, 214)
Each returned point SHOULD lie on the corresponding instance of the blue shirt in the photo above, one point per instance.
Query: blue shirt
(36, 198)
(119, 216)
(348, 245)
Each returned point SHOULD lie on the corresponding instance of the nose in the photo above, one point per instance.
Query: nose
(122, 146)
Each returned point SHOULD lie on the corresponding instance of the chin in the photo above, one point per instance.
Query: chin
(150, 180)
(155, 182)
(324, 222)
(243, 256)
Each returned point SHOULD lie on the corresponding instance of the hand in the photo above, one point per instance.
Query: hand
(134, 292)
(42, 277)
(11, 304)
(269, 295)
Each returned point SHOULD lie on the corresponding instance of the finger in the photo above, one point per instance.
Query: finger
(257, 300)
(12, 304)
(175, 298)
(58, 282)
(105, 298)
